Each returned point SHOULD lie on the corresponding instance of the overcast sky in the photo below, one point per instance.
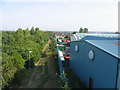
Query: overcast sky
(96, 15)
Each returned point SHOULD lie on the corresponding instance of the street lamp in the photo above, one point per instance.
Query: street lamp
(29, 59)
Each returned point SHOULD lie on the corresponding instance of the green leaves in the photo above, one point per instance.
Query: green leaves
(8, 69)
(18, 61)
(15, 48)
(85, 30)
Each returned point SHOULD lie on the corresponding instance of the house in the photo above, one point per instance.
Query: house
(67, 41)
(96, 60)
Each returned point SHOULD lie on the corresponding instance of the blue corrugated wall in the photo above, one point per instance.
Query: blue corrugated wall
(103, 69)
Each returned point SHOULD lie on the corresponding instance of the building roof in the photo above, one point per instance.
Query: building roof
(110, 46)
(79, 36)
(98, 38)
(109, 43)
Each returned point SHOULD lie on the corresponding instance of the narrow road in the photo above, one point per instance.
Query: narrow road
(53, 79)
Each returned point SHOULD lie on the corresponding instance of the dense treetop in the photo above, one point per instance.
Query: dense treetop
(85, 30)
(15, 50)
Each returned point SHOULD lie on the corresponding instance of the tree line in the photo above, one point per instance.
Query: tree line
(15, 50)
(83, 30)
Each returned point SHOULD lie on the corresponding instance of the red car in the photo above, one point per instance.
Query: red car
(67, 41)
(67, 58)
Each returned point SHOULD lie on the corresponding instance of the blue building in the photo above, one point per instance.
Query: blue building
(96, 61)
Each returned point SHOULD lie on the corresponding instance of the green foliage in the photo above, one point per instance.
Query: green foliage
(32, 31)
(117, 32)
(81, 30)
(15, 48)
(66, 86)
(64, 81)
(85, 30)
(74, 32)
(53, 45)
(8, 69)
(67, 37)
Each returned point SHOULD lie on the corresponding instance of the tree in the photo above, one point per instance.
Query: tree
(36, 29)
(74, 33)
(18, 61)
(85, 30)
(32, 32)
(26, 31)
(19, 29)
(15, 47)
(117, 32)
(67, 37)
(81, 30)
(8, 69)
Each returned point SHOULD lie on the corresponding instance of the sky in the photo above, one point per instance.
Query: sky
(59, 15)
